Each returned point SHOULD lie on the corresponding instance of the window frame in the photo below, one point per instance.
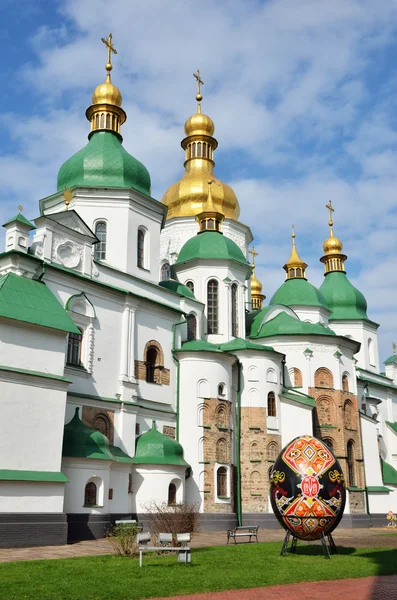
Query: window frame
(271, 404)
(91, 490)
(141, 248)
(213, 306)
(191, 327)
(101, 247)
(71, 347)
(234, 311)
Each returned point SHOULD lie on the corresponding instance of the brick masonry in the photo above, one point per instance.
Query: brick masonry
(100, 419)
(24, 530)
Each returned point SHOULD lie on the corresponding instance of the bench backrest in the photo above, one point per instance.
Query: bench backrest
(165, 538)
(143, 538)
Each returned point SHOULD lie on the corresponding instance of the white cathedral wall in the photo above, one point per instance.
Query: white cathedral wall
(31, 429)
(121, 501)
(312, 314)
(372, 467)
(80, 471)
(150, 483)
(366, 334)
(31, 347)
(31, 497)
(295, 419)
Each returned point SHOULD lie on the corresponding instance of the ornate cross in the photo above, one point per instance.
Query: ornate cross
(254, 253)
(199, 81)
(110, 47)
(331, 210)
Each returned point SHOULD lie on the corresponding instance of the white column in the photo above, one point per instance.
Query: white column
(131, 345)
(125, 328)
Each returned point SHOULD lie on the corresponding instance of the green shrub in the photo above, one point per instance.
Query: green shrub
(123, 538)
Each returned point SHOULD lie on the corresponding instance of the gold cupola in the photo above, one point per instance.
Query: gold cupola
(257, 297)
(189, 196)
(105, 112)
(295, 268)
(210, 219)
(333, 258)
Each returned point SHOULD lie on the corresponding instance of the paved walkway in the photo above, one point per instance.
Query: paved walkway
(366, 588)
(357, 538)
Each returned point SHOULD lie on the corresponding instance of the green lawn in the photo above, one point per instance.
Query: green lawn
(219, 568)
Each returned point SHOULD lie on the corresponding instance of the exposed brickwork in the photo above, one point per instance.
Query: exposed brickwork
(258, 451)
(297, 376)
(216, 449)
(100, 419)
(162, 375)
(168, 430)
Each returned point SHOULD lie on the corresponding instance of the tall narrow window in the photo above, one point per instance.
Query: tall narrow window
(100, 248)
(151, 359)
(190, 285)
(350, 463)
(235, 310)
(328, 442)
(141, 249)
(191, 327)
(212, 306)
(165, 271)
(271, 405)
(74, 348)
(221, 482)
(90, 494)
(171, 494)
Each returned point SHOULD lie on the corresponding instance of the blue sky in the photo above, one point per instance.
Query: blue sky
(302, 95)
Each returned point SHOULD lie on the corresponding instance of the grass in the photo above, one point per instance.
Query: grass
(212, 569)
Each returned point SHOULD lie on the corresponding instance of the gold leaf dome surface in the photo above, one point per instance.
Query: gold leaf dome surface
(199, 124)
(107, 93)
(256, 286)
(332, 245)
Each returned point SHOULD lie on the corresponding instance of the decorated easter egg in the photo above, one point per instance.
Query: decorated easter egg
(307, 488)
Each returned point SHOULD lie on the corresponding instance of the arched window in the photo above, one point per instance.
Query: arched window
(323, 378)
(171, 494)
(348, 414)
(75, 341)
(271, 405)
(325, 411)
(272, 451)
(221, 451)
(329, 443)
(221, 482)
(235, 310)
(221, 416)
(102, 424)
(191, 327)
(141, 249)
(371, 352)
(221, 390)
(255, 454)
(255, 483)
(90, 494)
(212, 306)
(107, 121)
(297, 377)
(190, 285)
(345, 383)
(102, 121)
(271, 376)
(350, 463)
(100, 248)
(151, 360)
(165, 272)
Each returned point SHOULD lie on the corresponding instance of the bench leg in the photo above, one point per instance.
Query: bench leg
(140, 558)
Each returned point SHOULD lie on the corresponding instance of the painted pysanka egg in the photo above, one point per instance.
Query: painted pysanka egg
(307, 488)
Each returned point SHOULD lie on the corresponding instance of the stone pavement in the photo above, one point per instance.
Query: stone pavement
(365, 588)
(357, 538)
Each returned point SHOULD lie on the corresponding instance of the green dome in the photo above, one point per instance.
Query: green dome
(211, 245)
(284, 324)
(298, 292)
(103, 162)
(345, 301)
(81, 441)
(155, 448)
(178, 287)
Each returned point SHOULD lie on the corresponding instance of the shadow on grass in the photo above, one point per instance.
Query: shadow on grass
(317, 550)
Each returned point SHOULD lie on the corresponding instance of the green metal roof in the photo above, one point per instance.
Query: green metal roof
(50, 476)
(35, 373)
(103, 162)
(299, 397)
(346, 302)
(30, 301)
(81, 441)
(211, 245)
(389, 473)
(241, 344)
(178, 287)
(392, 425)
(284, 324)
(391, 359)
(20, 219)
(155, 448)
(298, 292)
(378, 488)
(199, 346)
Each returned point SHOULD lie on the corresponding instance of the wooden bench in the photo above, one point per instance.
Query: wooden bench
(130, 522)
(164, 539)
(250, 531)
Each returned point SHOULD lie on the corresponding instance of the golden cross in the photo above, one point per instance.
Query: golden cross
(68, 197)
(111, 48)
(394, 347)
(254, 253)
(20, 208)
(199, 81)
(331, 210)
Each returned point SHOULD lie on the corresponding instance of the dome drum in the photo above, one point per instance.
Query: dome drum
(106, 117)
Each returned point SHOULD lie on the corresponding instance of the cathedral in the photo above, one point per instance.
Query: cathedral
(140, 363)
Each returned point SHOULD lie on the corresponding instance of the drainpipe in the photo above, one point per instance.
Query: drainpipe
(178, 368)
(365, 479)
(237, 441)
(43, 270)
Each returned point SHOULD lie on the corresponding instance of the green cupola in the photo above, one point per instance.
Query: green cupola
(103, 162)
(346, 302)
(155, 448)
(80, 441)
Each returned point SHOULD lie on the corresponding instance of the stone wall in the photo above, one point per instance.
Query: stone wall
(102, 420)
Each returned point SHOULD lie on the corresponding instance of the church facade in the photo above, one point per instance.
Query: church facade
(140, 364)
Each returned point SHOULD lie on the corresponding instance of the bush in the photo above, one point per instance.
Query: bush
(123, 538)
(175, 518)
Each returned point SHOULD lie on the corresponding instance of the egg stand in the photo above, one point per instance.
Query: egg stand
(328, 549)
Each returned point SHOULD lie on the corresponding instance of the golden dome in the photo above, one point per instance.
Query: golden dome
(295, 267)
(332, 245)
(333, 258)
(257, 297)
(107, 93)
(188, 197)
(256, 286)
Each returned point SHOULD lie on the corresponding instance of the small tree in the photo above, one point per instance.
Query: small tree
(176, 518)
(123, 538)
